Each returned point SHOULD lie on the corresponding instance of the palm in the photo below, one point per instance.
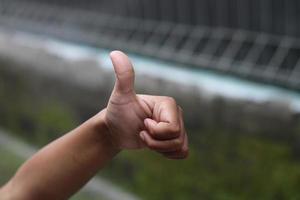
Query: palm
(130, 110)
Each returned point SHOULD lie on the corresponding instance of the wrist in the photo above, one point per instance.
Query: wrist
(102, 131)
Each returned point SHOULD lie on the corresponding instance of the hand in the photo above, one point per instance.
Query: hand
(137, 121)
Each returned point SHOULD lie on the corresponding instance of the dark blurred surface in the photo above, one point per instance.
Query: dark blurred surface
(270, 16)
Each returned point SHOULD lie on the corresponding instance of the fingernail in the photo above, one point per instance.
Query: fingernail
(150, 122)
(147, 122)
(142, 136)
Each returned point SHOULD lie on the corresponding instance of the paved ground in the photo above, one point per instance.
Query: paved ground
(97, 186)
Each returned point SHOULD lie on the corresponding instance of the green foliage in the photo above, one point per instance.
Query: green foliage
(37, 119)
(52, 121)
(8, 165)
(220, 166)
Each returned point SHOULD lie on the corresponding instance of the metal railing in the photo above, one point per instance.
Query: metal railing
(221, 45)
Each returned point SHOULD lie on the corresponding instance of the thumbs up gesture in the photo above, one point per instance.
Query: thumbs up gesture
(139, 121)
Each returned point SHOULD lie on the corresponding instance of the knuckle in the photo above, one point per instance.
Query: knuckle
(171, 100)
(175, 129)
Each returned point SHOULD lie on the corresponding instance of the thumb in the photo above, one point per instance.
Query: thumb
(124, 72)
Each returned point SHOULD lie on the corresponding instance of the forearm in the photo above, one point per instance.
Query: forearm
(64, 166)
(130, 122)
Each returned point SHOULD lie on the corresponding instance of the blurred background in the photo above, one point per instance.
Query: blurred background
(233, 65)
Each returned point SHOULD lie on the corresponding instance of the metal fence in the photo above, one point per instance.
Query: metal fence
(271, 16)
(255, 39)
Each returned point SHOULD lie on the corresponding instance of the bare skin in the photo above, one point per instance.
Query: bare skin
(130, 121)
